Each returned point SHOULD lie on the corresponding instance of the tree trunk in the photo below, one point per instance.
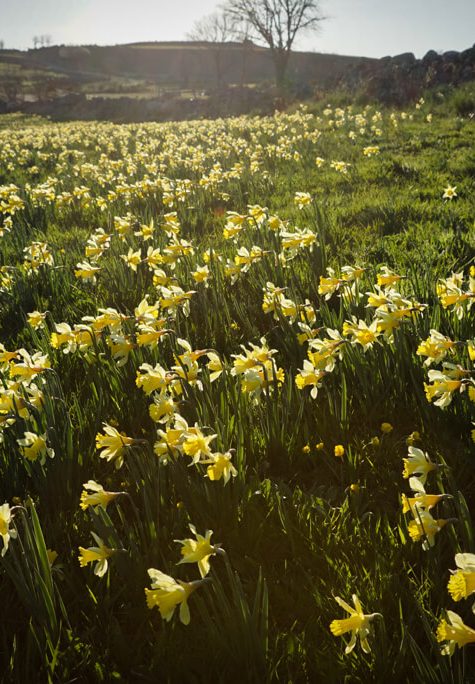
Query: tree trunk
(281, 61)
(218, 65)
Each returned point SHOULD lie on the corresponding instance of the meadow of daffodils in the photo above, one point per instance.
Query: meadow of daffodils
(237, 390)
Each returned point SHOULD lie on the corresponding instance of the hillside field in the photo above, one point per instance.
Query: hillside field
(237, 397)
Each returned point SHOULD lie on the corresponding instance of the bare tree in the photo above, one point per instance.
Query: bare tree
(217, 28)
(2, 44)
(276, 23)
(12, 88)
(36, 41)
(213, 28)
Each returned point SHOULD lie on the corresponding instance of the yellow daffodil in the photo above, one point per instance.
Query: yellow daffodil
(462, 582)
(196, 444)
(302, 199)
(424, 527)
(361, 333)
(150, 336)
(86, 271)
(444, 384)
(30, 366)
(36, 319)
(153, 378)
(371, 150)
(167, 593)
(435, 348)
(421, 500)
(94, 495)
(449, 192)
(412, 438)
(64, 337)
(201, 275)
(170, 441)
(52, 556)
(34, 447)
(163, 408)
(329, 284)
(113, 444)
(215, 365)
(198, 550)
(220, 467)
(6, 532)
(358, 624)
(96, 554)
(132, 259)
(310, 376)
(455, 632)
(417, 463)
(7, 356)
(386, 277)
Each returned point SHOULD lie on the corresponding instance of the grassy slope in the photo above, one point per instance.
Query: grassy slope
(289, 514)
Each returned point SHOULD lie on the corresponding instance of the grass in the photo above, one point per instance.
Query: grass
(299, 525)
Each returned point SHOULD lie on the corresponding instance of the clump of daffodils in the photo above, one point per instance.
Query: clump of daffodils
(457, 294)
(257, 369)
(168, 593)
(435, 348)
(424, 526)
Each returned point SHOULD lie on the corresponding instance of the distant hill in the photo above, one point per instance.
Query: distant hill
(190, 63)
(181, 80)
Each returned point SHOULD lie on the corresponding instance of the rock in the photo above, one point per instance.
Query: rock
(405, 58)
(468, 55)
(467, 73)
(430, 57)
(451, 56)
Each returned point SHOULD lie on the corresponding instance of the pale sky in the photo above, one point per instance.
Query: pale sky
(353, 27)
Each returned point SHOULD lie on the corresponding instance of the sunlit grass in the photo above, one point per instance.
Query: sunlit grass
(252, 336)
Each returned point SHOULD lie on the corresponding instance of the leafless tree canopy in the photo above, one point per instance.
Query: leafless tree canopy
(43, 41)
(277, 23)
(214, 28)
